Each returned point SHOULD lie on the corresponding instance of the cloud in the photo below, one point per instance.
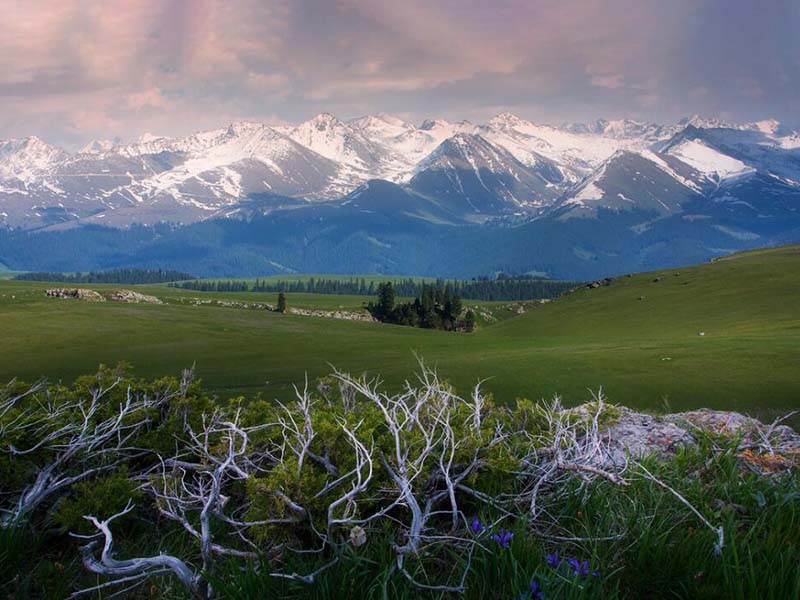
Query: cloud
(607, 81)
(70, 71)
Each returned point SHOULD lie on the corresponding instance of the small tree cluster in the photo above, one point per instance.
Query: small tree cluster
(435, 308)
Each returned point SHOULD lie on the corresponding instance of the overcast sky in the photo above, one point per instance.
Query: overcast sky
(75, 70)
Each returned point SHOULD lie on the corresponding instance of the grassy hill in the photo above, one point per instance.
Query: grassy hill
(640, 338)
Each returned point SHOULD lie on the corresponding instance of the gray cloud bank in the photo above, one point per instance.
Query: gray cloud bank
(70, 71)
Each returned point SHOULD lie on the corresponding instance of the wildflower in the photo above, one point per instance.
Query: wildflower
(581, 569)
(553, 560)
(536, 591)
(503, 538)
(476, 525)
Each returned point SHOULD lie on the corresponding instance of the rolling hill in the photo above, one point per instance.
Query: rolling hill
(724, 334)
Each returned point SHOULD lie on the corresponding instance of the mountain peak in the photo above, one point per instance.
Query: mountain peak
(769, 126)
(98, 146)
(28, 145)
(324, 120)
(380, 124)
(148, 137)
(429, 124)
(506, 120)
(239, 128)
(706, 123)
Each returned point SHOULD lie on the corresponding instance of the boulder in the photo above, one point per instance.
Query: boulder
(750, 431)
(638, 434)
(627, 433)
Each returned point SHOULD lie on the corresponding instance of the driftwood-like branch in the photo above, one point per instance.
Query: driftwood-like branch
(124, 571)
(77, 442)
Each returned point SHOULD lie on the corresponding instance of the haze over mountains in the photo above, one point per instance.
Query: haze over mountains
(369, 193)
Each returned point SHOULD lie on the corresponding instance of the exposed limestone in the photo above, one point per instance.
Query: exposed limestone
(630, 434)
(751, 432)
(639, 434)
(332, 314)
(133, 297)
(78, 293)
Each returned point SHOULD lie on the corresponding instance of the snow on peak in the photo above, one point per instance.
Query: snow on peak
(328, 136)
(27, 159)
(431, 124)
(708, 160)
(324, 120)
(148, 137)
(769, 126)
(507, 120)
(382, 128)
(325, 158)
(242, 128)
(97, 147)
(379, 121)
(704, 123)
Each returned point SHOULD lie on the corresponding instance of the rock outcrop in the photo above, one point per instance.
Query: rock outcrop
(638, 434)
(332, 314)
(78, 293)
(133, 297)
(626, 434)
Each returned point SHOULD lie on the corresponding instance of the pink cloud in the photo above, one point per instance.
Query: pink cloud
(174, 65)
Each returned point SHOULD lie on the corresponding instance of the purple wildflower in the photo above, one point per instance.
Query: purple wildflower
(581, 569)
(553, 560)
(503, 538)
(536, 591)
(476, 525)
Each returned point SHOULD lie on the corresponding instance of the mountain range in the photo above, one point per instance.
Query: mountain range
(380, 194)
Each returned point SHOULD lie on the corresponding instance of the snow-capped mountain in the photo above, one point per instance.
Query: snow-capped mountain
(508, 165)
(577, 149)
(328, 136)
(747, 166)
(27, 160)
(98, 146)
(633, 181)
(467, 170)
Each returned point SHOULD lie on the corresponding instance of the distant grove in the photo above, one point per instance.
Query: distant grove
(504, 287)
(127, 276)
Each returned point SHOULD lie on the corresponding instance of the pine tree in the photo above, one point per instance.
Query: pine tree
(385, 300)
(281, 303)
(469, 321)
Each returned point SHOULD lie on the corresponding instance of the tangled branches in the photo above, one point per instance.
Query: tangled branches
(264, 482)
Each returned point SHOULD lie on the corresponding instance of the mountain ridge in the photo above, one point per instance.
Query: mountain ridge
(571, 200)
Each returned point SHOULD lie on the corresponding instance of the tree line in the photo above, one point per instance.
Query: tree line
(434, 308)
(504, 287)
(128, 276)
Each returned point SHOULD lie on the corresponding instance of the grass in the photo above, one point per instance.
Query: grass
(665, 553)
(639, 338)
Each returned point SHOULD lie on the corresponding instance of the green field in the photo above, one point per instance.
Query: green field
(640, 339)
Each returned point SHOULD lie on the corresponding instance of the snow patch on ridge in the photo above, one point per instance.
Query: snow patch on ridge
(709, 161)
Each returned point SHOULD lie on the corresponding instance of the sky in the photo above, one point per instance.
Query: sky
(74, 70)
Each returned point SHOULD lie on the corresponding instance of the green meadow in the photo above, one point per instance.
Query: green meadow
(723, 335)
